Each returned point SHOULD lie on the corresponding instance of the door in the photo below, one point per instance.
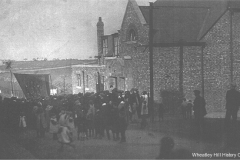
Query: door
(121, 83)
(113, 82)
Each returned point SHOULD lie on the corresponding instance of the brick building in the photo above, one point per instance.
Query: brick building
(196, 47)
(65, 76)
(200, 29)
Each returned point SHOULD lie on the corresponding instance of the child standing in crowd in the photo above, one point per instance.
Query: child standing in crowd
(54, 126)
(65, 137)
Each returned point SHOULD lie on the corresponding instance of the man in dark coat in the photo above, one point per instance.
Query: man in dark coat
(199, 111)
(232, 104)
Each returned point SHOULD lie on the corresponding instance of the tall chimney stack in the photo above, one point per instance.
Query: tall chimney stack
(100, 33)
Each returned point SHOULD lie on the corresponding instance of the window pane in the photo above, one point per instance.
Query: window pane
(132, 35)
(79, 82)
(116, 44)
(105, 46)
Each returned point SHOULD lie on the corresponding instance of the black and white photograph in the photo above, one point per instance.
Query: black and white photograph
(119, 79)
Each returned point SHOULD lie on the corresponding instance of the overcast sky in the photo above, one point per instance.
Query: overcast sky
(56, 28)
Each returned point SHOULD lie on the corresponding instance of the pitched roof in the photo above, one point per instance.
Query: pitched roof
(145, 12)
(137, 11)
(31, 65)
(188, 20)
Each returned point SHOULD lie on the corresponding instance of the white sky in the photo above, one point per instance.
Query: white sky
(56, 28)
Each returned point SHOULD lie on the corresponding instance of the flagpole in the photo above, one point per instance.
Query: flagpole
(11, 82)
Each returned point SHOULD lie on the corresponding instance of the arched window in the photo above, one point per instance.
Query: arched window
(132, 35)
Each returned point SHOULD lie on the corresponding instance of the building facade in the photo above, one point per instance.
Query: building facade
(134, 41)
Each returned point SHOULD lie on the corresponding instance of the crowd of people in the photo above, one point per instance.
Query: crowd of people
(92, 114)
(96, 115)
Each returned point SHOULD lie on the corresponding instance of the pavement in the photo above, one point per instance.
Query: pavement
(10, 149)
(141, 143)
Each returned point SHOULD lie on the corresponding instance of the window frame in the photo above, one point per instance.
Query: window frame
(87, 79)
(116, 45)
(79, 80)
(104, 45)
(132, 35)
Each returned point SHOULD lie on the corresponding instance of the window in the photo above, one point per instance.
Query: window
(132, 35)
(87, 82)
(116, 46)
(105, 46)
(103, 82)
(79, 81)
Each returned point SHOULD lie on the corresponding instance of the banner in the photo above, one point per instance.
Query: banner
(34, 85)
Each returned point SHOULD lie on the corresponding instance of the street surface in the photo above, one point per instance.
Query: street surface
(141, 143)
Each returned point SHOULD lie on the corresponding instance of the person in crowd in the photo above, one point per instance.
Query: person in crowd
(81, 124)
(199, 112)
(90, 118)
(66, 136)
(98, 124)
(71, 121)
(128, 109)
(166, 148)
(232, 104)
(144, 109)
(134, 112)
(54, 126)
(183, 108)
(189, 109)
(115, 121)
(47, 112)
(122, 120)
(106, 115)
(136, 98)
(41, 121)
(111, 89)
(77, 106)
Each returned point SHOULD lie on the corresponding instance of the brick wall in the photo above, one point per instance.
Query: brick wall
(166, 61)
(139, 77)
(92, 78)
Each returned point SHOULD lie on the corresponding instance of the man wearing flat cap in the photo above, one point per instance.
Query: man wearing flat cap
(232, 104)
